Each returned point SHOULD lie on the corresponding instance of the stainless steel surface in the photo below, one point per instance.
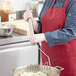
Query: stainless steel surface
(6, 31)
(13, 39)
(48, 63)
(16, 55)
(16, 51)
(48, 70)
(19, 14)
(31, 27)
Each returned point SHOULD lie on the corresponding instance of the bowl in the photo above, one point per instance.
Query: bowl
(6, 29)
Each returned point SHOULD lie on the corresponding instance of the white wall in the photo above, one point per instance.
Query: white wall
(19, 5)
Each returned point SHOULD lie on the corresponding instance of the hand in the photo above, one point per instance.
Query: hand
(28, 14)
(37, 38)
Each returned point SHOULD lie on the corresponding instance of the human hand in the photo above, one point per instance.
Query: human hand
(37, 38)
(28, 14)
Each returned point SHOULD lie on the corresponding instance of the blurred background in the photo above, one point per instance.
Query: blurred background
(18, 7)
(21, 5)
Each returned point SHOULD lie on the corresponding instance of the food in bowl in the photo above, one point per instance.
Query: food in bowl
(31, 74)
(5, 26)
(6, 29)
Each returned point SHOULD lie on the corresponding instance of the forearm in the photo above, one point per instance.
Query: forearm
(35, 24)
(61, 36)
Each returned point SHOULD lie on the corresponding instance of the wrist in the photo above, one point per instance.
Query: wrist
(43, 37)
(35, 25)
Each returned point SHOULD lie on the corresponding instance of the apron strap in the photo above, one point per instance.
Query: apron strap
(52, 3)
(66, 2)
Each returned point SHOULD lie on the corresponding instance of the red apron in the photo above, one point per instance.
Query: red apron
(63, 55)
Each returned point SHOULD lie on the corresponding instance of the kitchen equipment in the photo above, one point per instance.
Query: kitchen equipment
(16, 51)
(6, 29)
(48, 70)
(31, 31)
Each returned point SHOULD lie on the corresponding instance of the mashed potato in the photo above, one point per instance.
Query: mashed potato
(33, 74)
(3, 27)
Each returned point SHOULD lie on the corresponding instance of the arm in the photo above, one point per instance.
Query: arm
(66, 34)
(39, 27)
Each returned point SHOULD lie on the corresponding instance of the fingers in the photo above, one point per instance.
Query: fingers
(37, 38)
(32, 39)
(28, 14)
